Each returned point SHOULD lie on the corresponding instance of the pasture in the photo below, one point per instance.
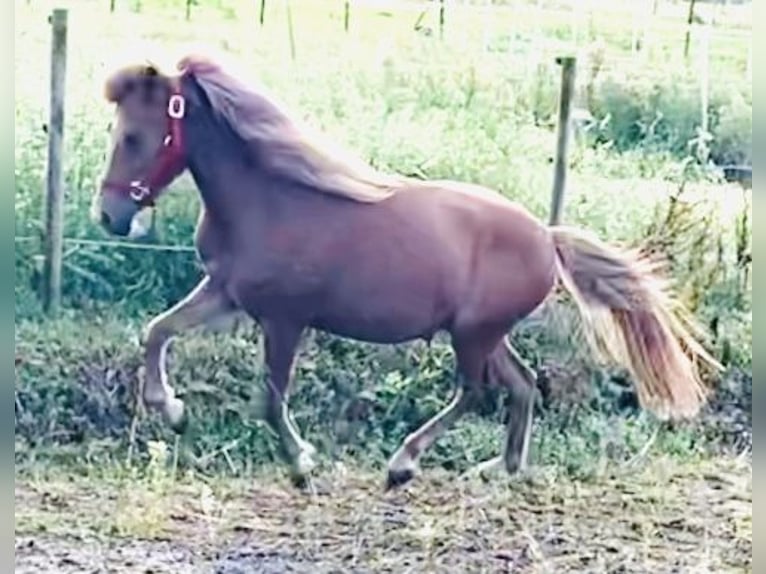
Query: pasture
(102, 486)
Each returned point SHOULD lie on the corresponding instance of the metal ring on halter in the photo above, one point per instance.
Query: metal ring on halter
(139, 192)
(176, 106)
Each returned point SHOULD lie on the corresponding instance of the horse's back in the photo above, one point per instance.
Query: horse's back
(478, 216)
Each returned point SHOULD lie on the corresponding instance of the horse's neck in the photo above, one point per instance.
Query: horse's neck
(219, 173)
(236, 191)
(223, 196)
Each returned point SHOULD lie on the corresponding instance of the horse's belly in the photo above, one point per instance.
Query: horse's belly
(382, 328)
(384, 311)
(395, 307)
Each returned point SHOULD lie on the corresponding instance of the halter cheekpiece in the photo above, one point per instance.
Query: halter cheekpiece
(168, 164)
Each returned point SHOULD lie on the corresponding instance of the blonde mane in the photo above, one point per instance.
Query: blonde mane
(282, 146)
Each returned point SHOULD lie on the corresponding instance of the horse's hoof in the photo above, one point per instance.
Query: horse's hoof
(302, 467)
(515, 464)
(303, 482)
(304, 463)
(397, 478)
(485, 470)
(175, 414)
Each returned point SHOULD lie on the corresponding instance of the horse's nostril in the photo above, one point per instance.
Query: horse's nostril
(105, 219)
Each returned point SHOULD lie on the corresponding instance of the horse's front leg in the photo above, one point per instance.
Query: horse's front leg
(204, 305)
(281, 340)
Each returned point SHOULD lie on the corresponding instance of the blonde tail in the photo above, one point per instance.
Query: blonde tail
(632, 319)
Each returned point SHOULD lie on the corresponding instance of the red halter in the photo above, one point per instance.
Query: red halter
(169, 163)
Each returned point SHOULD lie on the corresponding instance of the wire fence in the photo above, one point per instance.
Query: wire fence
(112, 244)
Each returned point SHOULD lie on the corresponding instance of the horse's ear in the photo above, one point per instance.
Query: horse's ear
(118, 86)
(197, 64)
(150, 69)
(145, 78)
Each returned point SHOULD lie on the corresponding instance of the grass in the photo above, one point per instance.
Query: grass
(75, 401)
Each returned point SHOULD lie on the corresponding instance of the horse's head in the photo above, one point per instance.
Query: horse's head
(147, 151)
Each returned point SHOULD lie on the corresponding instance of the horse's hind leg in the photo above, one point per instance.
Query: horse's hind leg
(507, 369)
(403, 464)
(281, 343)
(522, 381)
(205, 304)
(471, 350)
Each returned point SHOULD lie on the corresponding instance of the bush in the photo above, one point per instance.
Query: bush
(665, 116)
(76, 384)
(732, 127)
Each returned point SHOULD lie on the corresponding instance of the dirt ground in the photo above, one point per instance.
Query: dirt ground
(656, 516)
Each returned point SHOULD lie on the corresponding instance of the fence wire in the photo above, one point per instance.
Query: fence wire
(112, 244)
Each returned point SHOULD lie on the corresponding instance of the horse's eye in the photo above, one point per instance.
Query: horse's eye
(132, 141)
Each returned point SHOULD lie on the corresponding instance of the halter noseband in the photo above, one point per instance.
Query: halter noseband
(168, 164)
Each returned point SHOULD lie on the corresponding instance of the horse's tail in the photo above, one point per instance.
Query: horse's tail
(631, 318)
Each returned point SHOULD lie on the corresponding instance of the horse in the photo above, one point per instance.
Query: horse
(297, 233)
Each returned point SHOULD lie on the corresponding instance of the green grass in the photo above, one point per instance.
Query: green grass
(75, 402)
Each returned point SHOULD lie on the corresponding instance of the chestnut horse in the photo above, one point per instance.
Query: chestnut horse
(298, 235)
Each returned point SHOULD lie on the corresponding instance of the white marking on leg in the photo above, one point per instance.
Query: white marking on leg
(402, 461)
(300, 451)
(406, 457)
(304, 462)
(527, 435)
(157, 390)
(487, 467)
(516, 461)
(174, 411)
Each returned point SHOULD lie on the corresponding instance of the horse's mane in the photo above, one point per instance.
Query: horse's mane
(286, 149)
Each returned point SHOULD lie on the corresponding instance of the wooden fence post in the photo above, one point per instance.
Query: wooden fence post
(689, 24)
(346, 14)
(441, 19)
(704, 86)
(562, 143)
(290, 29)
(54, 200)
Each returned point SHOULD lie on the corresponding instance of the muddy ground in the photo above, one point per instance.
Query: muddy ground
(655, 516)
